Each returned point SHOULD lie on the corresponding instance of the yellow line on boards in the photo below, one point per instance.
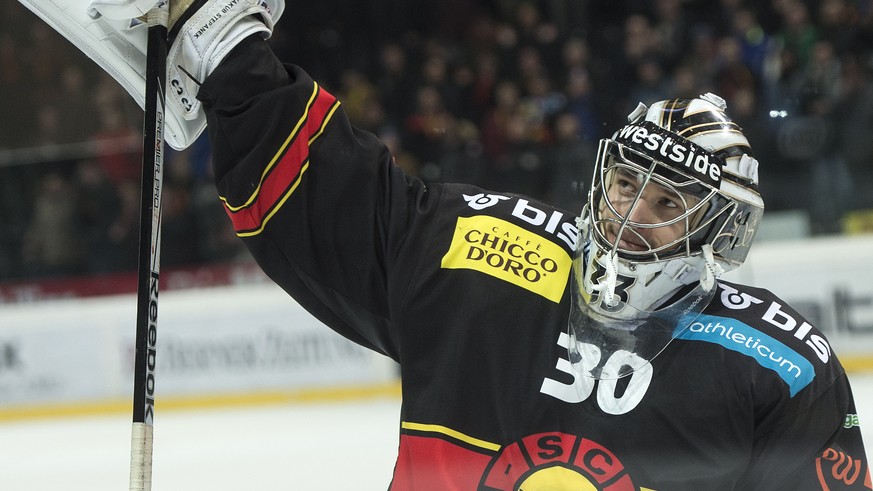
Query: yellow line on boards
(857, 363)
(212, 401)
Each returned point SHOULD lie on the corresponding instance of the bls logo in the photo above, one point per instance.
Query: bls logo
(559, 462)
(481, 201)
(776, 315)
(555, 223)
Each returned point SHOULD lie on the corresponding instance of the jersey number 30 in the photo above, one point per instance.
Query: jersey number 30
(616, 396)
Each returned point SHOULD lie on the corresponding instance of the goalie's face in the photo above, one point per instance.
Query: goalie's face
(638, 215)
(642, 216)
(673, 203)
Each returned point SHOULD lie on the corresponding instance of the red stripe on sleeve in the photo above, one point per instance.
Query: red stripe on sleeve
(281, 178)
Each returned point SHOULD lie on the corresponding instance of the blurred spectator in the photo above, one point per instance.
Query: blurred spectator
(356, 93)
(670, 30)
(853, 117)
(494, 134)
(539, 34)
(571, 164)
(74, 101)
(49, 129)
(404, 159)
(537, 108)
(545, 102)
(395, 82)
(639, 45)
(17, 120)
(838, 23)
(463, 159)
(686, 84)
(821, 78)
(16, 208)
(97, 209)
(701, 56)
(798, 34)
(486, 77)
(755, 44)
(425, 128)
(52, 243)
(509, 94)
(522, 168)
(118, 145)
(570, 16)
(124, 229)
(731, 72)
(180, 243)
(581, 104)
(650, 84)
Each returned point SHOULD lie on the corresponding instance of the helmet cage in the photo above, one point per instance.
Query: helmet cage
(706, 215)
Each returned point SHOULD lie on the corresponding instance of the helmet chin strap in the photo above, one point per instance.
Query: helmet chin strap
(712, 270)
(606, 286)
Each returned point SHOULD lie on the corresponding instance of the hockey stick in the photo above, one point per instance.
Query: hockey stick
(149, 250)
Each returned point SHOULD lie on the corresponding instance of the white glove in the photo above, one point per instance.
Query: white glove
(206, 37)
(120, 9)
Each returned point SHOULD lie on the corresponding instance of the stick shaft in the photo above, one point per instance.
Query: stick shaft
(148, 269)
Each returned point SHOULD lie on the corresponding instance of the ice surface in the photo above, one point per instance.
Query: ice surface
(314, 446)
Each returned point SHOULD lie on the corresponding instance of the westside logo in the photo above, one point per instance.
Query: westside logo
(668, 148)
(510, 253)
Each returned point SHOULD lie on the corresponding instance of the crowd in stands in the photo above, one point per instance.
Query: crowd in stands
(512, 95)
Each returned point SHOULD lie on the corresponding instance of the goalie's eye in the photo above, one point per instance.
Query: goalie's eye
(667, 202)
(626, 186)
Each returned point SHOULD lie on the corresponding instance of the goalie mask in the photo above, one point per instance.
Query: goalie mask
(673, 204)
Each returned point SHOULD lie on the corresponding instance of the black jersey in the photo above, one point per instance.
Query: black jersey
(468, 290)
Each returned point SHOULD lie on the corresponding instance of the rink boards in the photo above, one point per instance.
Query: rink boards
(250, 344)
(215, 346)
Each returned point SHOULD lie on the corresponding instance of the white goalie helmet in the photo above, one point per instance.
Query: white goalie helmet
(673, 204)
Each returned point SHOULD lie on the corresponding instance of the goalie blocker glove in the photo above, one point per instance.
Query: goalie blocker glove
(201, 33)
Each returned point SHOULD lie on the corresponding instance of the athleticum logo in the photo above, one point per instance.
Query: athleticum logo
(510, 253)
(796, 371)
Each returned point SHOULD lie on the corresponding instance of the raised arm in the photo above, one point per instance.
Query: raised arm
(320, 204)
